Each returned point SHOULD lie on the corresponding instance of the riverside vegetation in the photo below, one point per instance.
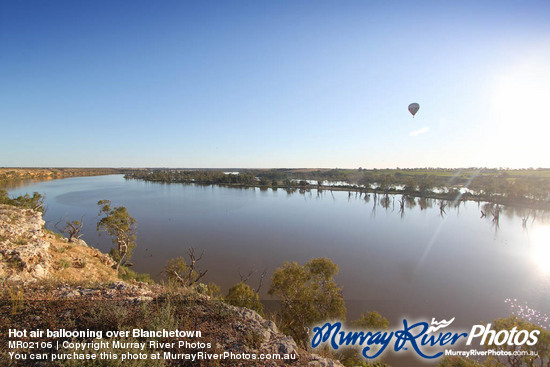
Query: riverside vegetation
(308, 294)
(528, 188)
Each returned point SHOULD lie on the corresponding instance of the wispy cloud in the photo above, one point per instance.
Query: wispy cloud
(419, 131)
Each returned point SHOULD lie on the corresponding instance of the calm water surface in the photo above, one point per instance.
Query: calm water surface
(422, 263)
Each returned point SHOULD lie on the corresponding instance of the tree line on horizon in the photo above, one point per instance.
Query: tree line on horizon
(515, 187)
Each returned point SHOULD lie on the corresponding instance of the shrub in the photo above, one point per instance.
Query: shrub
(126, 273)
(308, 295)
(241, 295)
(64, 263)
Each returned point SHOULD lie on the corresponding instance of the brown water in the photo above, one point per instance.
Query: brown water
(421, 263)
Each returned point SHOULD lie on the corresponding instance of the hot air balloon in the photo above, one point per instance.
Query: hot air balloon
(413, 108)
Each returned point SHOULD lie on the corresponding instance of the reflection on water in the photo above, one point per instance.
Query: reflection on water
(540, 247)
(397, 254)
(14, 184)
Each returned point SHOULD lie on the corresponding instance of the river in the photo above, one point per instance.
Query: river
(419, 263)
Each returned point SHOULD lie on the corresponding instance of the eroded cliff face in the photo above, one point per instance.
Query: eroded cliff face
(24, 250)
(59, 284)
(15, 174)
(29, 253)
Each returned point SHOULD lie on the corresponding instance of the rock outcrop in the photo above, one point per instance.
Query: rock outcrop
(24, 252)
(29, 253)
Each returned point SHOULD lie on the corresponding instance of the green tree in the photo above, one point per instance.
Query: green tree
(308, 295)
(34, 202)
(371, 320)
(541, 348)
(122, 229)
(241, 295)
(211, 289)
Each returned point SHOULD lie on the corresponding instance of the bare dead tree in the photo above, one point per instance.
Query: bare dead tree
(190, 274)
(73, 229)
(186, 274)
(178, 277)
(261, 280)
(244, 279)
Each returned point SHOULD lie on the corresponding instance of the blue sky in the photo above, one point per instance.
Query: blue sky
(274, 84)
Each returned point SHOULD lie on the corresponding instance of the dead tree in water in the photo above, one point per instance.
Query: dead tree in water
(524, 221)
(423, 203)
(496, 217)
(367, 197)
(442, 208)
(402, 205)
(496, 213)
(385, 201)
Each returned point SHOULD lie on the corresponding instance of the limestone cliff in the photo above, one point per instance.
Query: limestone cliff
(51, 283)
(29, 253)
